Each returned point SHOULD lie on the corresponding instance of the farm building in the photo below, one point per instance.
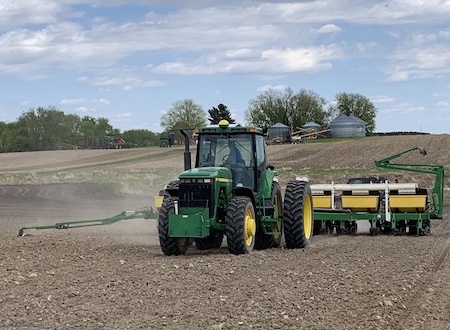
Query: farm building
(312, 126)
(279, 130)
(348, 126)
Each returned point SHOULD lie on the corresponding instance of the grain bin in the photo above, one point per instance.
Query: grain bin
(279, 130)
(348, 126)
(312, 126)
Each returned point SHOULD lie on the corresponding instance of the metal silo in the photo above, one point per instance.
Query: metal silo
(348, 126)
(312, 126)
(278, 130)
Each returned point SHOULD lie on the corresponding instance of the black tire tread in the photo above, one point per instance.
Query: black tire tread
(169, 245)
(235, 224)
(294, 200)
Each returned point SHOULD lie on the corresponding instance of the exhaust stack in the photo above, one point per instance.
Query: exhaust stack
(187, 152)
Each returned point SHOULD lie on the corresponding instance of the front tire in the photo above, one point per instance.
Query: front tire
(298, 215)
(241, 225)
(170, 245)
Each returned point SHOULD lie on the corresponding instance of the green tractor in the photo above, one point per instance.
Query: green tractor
(232, 192)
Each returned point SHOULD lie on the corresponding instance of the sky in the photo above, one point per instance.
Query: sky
(130, 60)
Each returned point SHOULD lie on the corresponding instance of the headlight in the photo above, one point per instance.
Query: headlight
(195, 180)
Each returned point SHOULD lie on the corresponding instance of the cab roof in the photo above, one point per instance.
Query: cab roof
(225, 127)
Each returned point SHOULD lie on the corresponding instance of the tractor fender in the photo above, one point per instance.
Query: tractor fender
(245, 191)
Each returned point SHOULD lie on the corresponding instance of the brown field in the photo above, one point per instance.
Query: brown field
(115, 277)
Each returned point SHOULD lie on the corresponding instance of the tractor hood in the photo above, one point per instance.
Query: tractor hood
(207, 172)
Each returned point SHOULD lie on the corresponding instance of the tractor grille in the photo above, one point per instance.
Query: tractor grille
(197, 195)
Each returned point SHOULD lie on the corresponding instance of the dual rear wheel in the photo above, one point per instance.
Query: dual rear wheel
(298, 215)
(297, 218)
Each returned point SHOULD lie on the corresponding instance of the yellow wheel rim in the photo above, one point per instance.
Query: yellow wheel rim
(249, 227)
(307, 217)
(182, 241)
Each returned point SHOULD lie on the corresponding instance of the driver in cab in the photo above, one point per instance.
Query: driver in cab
(235, 160)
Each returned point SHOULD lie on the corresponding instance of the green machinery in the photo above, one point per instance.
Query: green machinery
(389, 207)
(144, 213)
(231, 192)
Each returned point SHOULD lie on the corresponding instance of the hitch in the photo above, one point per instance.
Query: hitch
(144, 213)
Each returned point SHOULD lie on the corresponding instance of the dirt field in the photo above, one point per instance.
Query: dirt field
(115, 277)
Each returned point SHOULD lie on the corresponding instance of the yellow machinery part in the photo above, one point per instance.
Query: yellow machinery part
(158, 201)
(322, 202)
(360, 203)
(408, 203)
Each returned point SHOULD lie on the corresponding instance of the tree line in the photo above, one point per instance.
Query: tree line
(50, 128)
(285, 106)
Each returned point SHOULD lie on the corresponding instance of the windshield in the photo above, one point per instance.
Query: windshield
(214, 149)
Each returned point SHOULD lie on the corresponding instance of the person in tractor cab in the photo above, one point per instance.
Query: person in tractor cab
(235, 161)
(210, 158)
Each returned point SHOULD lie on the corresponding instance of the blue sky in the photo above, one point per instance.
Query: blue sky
(129, 61)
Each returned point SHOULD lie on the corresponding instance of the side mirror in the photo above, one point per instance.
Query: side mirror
(270, 167)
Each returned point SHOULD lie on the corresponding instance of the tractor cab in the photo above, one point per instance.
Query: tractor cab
(235, 148)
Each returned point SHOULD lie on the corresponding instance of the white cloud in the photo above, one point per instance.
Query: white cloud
(69, 42)
(367, 46)
(79, 101)
(126, 83)
(102, 101)
(382, 99)
(31, 12)
(280, 60)
(329, 28)
(443, 104)
(72, 101)
(84, 109)
(269, 87)
(123, 115)
(420, 56)
(403, 109)
(108, 81)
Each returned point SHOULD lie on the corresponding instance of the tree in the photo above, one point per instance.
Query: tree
(184, 114)
(44, 127)
(12, 139)
(287, 107)
(357, 105)
(141, 137)
(309, 106)
(219, 113)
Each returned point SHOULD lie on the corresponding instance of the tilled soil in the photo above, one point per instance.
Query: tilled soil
(115, 277)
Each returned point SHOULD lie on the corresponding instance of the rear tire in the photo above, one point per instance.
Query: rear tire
(241, 225)
(298, 215)
(267, 241)
(170, 245)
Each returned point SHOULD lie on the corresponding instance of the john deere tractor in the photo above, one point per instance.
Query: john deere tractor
(234, 196)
